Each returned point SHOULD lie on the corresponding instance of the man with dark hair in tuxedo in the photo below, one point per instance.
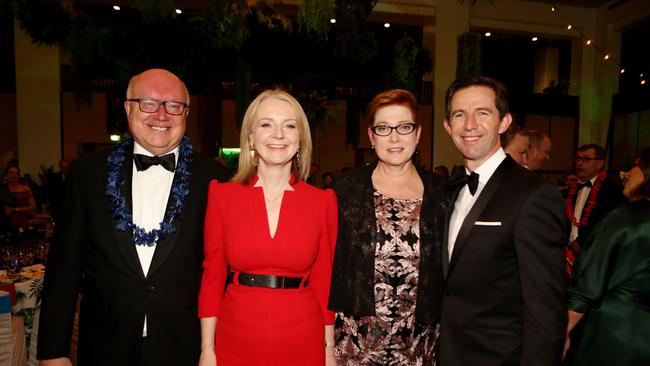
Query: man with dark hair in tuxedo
(131, 241)
(504, 299)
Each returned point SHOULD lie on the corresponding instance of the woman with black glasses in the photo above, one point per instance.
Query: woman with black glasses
(387, 278)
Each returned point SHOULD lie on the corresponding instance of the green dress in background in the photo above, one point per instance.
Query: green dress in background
(611, 286)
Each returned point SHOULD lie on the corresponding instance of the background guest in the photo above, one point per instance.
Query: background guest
(269, 242)
(539, 150)
(387, 276)
(38, 191)
(23, 204)
(327, 179)
(515, 143)
(611, 283)
(593, 197)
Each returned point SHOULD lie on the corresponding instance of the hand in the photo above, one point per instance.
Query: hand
(330, 357)
(63, 361)
(208, 358)
(567, 344)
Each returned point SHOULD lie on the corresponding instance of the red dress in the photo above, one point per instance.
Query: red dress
(260, 326)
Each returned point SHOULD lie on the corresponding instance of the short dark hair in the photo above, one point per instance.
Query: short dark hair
(392, 97)
(600, 152)
(500, 91)
(643, 191)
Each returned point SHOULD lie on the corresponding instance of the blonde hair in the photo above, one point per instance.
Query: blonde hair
(246, 168)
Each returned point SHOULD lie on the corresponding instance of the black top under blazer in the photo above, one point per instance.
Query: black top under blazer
(352, 289)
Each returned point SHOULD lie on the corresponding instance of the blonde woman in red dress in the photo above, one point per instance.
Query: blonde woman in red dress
(269, 244)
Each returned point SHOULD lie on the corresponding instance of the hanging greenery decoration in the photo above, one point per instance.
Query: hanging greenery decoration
(222, 24)
(81, 45)
(268, 15)
(410, 63)
(354, 41)
(314, 17)
(319, 109)
(45, 21)
(155, 11)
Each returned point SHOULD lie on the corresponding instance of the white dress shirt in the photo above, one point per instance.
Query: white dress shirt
(150, 192)
(581, 200)
(465, 200)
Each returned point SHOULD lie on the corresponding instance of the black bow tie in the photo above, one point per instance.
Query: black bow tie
(459, 178)
(582, 185)
(143, 162)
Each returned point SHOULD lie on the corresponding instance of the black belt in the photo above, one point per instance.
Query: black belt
(268, 281)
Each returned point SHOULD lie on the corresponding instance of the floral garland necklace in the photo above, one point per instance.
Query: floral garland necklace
(180, 190)
(589, 205)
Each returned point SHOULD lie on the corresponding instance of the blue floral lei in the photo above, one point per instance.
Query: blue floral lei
(180, 190)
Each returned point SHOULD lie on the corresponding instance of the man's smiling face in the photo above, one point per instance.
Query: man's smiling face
(158, 132)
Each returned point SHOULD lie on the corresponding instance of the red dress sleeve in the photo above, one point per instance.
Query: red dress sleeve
(321, 274)
(215, 268)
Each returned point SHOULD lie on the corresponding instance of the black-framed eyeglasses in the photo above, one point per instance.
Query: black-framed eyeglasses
(584, 159)
(385, 130)
(147, 105)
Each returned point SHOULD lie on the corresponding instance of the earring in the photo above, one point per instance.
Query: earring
(254, 159)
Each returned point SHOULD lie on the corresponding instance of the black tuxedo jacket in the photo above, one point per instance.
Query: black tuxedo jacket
(90, 256)
(609, 197)
(504, 301)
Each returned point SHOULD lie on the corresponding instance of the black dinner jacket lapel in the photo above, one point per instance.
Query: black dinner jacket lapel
(445, 233)
(484, 198)
(124, 237)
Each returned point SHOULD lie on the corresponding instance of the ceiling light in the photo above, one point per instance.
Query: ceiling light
(332, 20)
(178, 11)
(569, 27)
(606, 57)
(386, 25)
(116, 7)
(487, 34)
(534, 39)
(622, 71)
(588, 42)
